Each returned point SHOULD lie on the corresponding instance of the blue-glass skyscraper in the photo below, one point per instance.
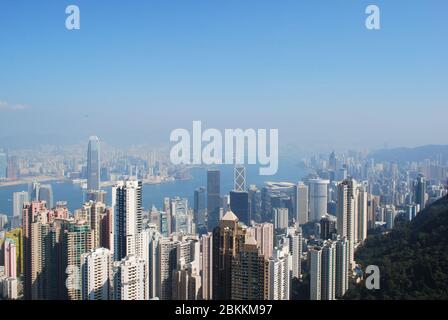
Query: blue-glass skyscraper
(93, 164)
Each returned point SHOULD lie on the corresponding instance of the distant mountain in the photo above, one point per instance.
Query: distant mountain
(411, 154)
(413, 258)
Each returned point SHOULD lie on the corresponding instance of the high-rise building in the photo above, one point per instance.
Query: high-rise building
(328, 272)
(295, 250)
(12, 170)
(328, 225)
(19, 199)
(213, 198)
(130, 279)
(249, 273)
(302, 203)
(239, 204)
(46, 194)
(181, 219)
(264, 236)
(228, 239)
(127, 206)
(315, 256)
(78, 241)
(346, 213)
(96, 272)
(342, 267)
(318, 198)
(278, 278)
(420, 191)
(200, 210)
(239, 178)
(33, 191)
(10, 258)
(280, 218)
(93, 164)
(361, 215)
(207, 266)
(254, 203)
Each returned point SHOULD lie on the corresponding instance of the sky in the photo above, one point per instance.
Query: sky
(136, 70)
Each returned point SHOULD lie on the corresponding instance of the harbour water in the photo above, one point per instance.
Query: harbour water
(153, 194)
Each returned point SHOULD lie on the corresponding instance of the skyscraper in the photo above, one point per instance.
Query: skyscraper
(93, 164)
(295, 250)
(130, 279)
(207, 266)
(239, 178)
(264, 235)
(420, 191)
(239, 204)
(318, 199)
(328, 227)
(200, 210)
(346, 213)
(127, 206)
(328, 276)
(10, 258)
(19, 199)
(342, 267)
(46, 194)
(213, 198)
(315, 256)
(96, 269)
(302, 203)
(228, 239)
(249, 273)
(278, 278)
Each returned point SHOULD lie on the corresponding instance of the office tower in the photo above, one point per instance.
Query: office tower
(278, 279)
(78, 239)
(19, 199)
(127, 206)
(228, 239)
(302, 203)
(373, 204)
(46, 194)
(225, 205)
(182, 221)
(200, 210)
(130, 279)
(420, 191)
(342, 267)
(239, 204)
(93, 164)
(295, 249)
(213, 198)
(95, 196)
(239, 178)
(315, 256)
(3, 165)
(318, 199)
(328, 276)
(10, 258)
(264, 236)
(280, 218)
(328, 227)
(207, 266)
(346, 212)
(33, 191)
(166, 219)
(96, 269)
(361, 215)
(254, 196)
(248, 276)
(278, 195)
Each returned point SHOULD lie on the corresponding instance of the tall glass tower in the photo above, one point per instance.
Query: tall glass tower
(93, 164)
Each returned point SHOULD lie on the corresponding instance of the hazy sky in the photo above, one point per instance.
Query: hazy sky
(138, 69)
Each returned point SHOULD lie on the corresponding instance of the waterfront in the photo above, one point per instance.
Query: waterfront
(153, 194)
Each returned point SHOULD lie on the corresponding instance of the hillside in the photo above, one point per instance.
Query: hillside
(413, 258)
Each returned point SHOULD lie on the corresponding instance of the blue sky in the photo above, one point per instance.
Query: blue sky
(143, 68)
